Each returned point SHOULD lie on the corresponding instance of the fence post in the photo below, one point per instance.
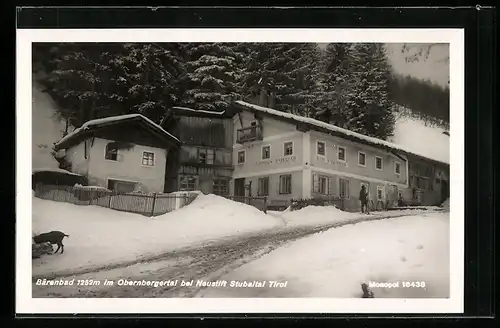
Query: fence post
(153, 207)
(265, 205)
(109, 201)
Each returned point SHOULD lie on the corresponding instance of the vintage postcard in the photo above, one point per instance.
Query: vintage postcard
(240, 171)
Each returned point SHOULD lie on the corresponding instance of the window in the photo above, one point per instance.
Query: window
(263, 187)
(361, 159)
(285, 184)
(341, 154)
(111, 152)
(187, 183)
(380, 193)
(122, 186)
(252, 133)
(288, 148)
(221, 187)
(148, 158)
(344, 188)
(320, 148)
(397, 168)
(206, 155)
(379, 163)
(266, 152)
(321, 184)
(241, 157)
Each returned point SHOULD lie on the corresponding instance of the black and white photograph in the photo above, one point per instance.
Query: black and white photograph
(260, 168)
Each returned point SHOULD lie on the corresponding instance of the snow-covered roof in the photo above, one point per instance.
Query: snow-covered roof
(100, 121)
(56, 170)
(199, 111)
(334, 128)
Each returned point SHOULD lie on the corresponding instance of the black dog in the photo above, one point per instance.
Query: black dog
(53, 237)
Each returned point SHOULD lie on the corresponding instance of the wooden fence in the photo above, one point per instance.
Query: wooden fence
(257, 202)
(148, 204)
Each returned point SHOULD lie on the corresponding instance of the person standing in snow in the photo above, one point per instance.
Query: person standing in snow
(363, 197)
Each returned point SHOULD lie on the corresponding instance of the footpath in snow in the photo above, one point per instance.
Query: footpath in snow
(100, 236)
(334, 263)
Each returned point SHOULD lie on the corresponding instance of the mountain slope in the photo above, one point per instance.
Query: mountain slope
(421, 137)
(46, 128)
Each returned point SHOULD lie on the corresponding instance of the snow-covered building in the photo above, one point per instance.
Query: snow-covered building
(123, 153)
(204, 160)
(285, 156)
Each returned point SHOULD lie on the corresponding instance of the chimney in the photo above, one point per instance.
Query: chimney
(263, 98)
(271, 103)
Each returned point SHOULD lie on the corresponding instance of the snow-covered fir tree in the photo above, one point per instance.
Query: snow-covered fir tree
(213, 75)
(332, 89)
(75, 80)
(288, 70)
(146, 78)
(369, 109)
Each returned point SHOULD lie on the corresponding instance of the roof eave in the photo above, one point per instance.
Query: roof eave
(239, 107)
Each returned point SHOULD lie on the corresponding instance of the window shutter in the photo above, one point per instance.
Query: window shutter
(279, 185)
(315, 183)
(347, 192)
(330, 186)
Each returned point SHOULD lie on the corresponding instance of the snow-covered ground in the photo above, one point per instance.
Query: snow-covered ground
(324, 215)
(334, 263)
(424, 139)
(46, 128)
(100, 236)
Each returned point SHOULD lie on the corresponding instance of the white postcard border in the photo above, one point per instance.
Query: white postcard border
(25, 304)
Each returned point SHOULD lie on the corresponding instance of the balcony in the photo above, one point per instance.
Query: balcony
(248, 134)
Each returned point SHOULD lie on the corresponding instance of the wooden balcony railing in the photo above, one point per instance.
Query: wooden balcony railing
(248, 134)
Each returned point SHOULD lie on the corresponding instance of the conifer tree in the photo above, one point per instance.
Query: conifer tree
(369, 108)
(213, 75)
(289, 70)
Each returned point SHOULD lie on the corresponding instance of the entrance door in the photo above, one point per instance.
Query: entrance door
(239, 187)
(393, 196)
(445, 190)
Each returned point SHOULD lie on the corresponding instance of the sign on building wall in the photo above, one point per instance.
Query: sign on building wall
(279, 160)
(325, 160)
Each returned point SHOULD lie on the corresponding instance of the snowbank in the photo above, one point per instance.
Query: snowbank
(100, 236)
(317, 215)
(324, 215)
(335, 263)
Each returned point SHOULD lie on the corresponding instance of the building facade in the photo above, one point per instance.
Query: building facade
(109, 157)
(284, 157)
(204, 160)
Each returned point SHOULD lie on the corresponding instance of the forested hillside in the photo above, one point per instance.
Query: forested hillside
(350, 85)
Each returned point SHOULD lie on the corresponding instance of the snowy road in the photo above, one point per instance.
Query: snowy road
(207, 262)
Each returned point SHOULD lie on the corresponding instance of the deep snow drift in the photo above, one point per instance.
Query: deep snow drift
(100, 236)
(334, 263)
